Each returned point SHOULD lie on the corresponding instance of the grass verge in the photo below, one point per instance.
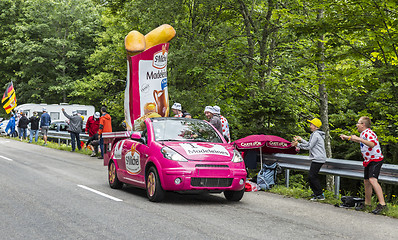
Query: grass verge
(305, 193)
(54, 145)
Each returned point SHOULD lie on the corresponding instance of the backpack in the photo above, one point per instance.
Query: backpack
(349, 202)
(266, 178)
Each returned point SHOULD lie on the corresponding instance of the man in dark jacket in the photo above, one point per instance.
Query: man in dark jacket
(23, 125)
(34, 126)
(92, 127)
(75, 127)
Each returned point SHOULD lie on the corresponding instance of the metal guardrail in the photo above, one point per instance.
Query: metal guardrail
(64, 136)
(336, 167)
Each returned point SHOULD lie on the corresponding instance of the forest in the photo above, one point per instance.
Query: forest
(270, 65)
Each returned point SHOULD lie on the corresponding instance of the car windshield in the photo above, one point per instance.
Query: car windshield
(184, 130)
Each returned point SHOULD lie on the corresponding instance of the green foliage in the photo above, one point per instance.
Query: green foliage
(50, 43)
(256, 60)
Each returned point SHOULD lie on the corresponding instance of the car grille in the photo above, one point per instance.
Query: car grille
(211, 165)
(211, 182)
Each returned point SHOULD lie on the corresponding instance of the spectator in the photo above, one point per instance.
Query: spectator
(34, 126)
(75, 128)
(45, 121)
(17, 117)
(213, 119)
(224, 124)
(11, 126)
(177, 110)
(105, 125)
(316, 146)
(92, 127)
(373, 160)
(23, 126)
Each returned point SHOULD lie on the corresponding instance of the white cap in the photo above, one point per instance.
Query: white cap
(44, 109)
(209, 109)
(176, 106)
(217, 109)
(74, 112)
(96, 115)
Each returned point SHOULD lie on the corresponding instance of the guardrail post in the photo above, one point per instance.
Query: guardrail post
(337, 186)
(287, 173)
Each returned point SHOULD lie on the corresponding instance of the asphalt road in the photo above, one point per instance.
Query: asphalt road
(52, 194)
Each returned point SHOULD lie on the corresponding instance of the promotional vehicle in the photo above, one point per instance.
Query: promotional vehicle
(174, 154)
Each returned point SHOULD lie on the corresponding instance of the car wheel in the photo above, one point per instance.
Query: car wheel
(154, 190)
(112, 176)
(234, 196)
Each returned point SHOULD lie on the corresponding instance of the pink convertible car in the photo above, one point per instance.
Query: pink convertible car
(175, 154)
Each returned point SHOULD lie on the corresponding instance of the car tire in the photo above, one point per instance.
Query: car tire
(154, 190)
(112, 176)
(234, 196)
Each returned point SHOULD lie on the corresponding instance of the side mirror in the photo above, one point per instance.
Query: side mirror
(136, 136)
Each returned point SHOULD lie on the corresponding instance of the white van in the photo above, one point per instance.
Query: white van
(55, 110)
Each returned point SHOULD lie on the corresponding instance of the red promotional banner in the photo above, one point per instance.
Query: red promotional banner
(146, 93)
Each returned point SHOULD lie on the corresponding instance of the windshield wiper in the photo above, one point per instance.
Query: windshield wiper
(199, 140)
(169, 140)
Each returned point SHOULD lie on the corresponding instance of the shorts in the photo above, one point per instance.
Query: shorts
(44, 130)
(92, 139)
(372, 170)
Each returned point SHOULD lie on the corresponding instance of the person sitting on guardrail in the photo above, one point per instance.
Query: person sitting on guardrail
(316, 146)
(92, 127)
(75, 127)
(373, 160)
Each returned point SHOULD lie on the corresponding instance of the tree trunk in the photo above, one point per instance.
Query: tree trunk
(250, 43)
(323, 98)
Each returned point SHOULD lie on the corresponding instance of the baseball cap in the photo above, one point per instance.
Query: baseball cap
(316, 122)
(96, 115)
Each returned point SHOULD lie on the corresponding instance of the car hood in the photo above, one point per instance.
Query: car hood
(201, 151)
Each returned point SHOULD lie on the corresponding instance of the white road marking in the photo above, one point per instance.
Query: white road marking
(6, 158)
(100, 193)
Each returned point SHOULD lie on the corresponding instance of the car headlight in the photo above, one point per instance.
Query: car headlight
(237, 157)
(172, 155)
